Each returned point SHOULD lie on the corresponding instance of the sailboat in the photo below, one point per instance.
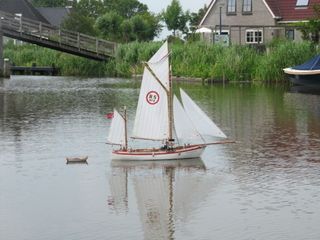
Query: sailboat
(159, 114)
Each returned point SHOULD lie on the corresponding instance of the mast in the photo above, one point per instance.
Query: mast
(167, 87)
(170, 108)
(125, 128)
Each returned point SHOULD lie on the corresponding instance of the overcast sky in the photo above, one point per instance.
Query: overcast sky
(157, 6)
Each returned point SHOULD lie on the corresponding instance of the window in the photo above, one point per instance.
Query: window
(290, 34)
(254, 36)
(231, 9)
(247, 6)
(302, 3)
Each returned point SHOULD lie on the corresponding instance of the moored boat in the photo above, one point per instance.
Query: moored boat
(307, 73)
(77, 159)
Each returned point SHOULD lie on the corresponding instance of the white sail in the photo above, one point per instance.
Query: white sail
(184, 128)
(151, 120)
(204, 125)
(117, 129)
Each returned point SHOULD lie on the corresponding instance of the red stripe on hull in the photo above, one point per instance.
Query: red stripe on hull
(154, 153)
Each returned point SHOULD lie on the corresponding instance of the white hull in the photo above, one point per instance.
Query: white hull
(301, 72)
(194, 151)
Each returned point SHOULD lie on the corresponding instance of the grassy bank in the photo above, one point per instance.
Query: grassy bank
(235, 63)
(26, 55)
(198, 60)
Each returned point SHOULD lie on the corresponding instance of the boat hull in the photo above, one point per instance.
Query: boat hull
(306, 80)
(194, 151)
(303, 77)
(77, 159)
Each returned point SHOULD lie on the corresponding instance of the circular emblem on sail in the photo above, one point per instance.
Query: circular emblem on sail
(152, 97)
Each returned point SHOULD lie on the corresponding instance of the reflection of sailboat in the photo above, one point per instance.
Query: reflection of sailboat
(159, 114)
(162, 191)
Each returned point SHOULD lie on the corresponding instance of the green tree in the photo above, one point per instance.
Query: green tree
(310, 30)
(139, 27)
(83, 15)
(109, 25)
(78, 22)
(126, 8)
(175, 18)
(49, 3)
(196, 17)
(90, 8)
(153, 25)
(126, 29)
(117, 20)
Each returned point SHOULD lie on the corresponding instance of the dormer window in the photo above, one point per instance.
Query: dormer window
(247, 6)
(302, 3)
(231, 8)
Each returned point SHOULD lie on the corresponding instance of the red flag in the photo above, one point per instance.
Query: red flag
(109, 115)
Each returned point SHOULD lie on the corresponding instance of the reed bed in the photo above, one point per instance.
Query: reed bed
(194, 60)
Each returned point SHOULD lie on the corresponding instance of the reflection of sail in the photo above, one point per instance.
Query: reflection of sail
(152, 195)
(119, 190)
(165, 191)
(190, 190)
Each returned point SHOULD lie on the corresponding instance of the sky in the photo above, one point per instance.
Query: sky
(156, 6)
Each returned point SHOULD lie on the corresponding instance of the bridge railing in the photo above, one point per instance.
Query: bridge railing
(46, 32)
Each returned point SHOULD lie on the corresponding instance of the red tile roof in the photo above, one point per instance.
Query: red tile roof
(287, 10)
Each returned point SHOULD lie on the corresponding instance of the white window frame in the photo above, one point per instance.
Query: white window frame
(233, 6)
(246, 5)
(302, 3)
(254, 38)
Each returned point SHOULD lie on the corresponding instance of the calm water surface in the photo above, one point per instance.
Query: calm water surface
(266, 186)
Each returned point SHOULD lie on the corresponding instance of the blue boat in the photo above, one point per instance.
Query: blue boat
(307, 73)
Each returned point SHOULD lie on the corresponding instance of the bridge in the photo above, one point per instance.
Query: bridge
(48, 36)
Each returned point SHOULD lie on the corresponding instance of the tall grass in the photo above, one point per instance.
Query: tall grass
(281, 54)
(236, 63)
(194, 59)
(26, 55)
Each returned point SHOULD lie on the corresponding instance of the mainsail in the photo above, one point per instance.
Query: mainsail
(151, 120)
(184, 128)
(204, 125)
(117, 130)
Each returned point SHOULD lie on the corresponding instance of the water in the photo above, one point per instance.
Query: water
(266, 186)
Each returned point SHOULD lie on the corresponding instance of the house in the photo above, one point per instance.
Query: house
(23, 8)
(255, 21)
(55, 16)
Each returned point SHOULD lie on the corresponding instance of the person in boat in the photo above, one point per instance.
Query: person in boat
(168, 145)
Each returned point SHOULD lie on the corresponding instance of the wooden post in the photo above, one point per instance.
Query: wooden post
(125, 128)
(1, 51)
(97, 46)
(78, 41)
(20, 22)
(6, 68)
(40, 30)
(59, 36)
